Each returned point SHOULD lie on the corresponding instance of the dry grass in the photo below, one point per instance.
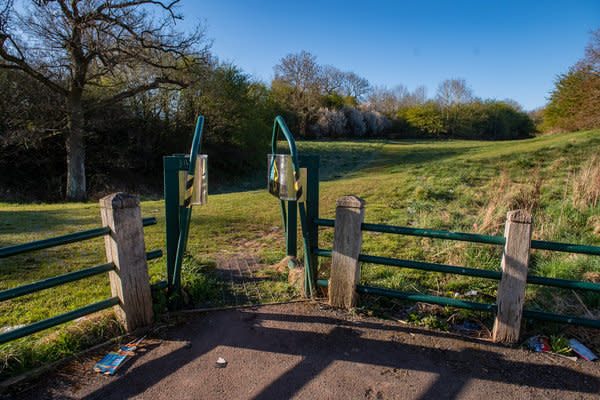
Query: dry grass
(586, 184)
(593, 223)
(506, 195)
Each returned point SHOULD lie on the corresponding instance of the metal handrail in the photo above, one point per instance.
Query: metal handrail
(55, 281)
(471, 305)
(279, 122)
(62, 279)
(446, 301)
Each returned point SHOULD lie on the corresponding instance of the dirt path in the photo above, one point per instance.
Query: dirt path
(308, 351)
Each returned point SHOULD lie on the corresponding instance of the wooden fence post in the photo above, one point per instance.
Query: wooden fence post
(126, 249)
(511, 289)
(347, 243)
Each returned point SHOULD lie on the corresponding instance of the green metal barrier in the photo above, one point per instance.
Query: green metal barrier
(478, 273)
(470, 305)
(285, 183)
(469, 237)
(431, 233)
(62, 279)
(496, 275)
(57, 320)
(61, 240)
(289, 215)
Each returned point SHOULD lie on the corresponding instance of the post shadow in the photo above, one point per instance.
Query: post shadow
(454, 368)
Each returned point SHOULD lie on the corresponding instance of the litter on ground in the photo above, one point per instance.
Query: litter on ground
(581, 350)
(114, 359)
(221, 363)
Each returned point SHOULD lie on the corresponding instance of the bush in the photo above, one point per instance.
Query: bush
(349, 122)
(355, 123)
(488, 120)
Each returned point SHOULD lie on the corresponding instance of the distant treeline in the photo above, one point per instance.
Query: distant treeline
(325, 102)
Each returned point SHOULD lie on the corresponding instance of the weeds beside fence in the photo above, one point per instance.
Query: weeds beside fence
(345, 269)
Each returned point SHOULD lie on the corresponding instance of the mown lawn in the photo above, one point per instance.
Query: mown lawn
(463, 186)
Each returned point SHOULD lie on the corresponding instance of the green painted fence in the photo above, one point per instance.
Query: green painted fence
(495, 275)
(62, 279)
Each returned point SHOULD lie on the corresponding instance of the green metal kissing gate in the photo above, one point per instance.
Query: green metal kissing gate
(293, 178)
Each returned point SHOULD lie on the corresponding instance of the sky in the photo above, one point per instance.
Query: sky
(503, 49)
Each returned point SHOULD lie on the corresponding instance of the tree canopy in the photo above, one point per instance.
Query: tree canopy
(575, 100)
(93, 53)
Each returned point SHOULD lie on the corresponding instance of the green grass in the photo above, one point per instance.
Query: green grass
(462, 186)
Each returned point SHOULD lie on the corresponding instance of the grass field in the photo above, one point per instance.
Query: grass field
(465, 186)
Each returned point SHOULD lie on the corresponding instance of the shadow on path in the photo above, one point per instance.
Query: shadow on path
(320, 341)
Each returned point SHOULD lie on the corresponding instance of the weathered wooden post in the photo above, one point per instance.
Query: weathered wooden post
(511, 289)
(347, 243)
(126, 249)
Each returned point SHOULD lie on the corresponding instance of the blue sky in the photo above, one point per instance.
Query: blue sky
(504, 49)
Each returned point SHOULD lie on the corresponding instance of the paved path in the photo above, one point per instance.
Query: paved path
(240, 285)
(308, 351)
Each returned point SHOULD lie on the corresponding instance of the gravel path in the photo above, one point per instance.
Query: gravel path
(309, 351)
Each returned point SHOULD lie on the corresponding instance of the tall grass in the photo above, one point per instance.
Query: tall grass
(586, 184)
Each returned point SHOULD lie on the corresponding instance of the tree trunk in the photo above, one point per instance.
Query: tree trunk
(76, 188)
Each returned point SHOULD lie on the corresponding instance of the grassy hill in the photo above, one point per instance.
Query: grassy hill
(465, 186)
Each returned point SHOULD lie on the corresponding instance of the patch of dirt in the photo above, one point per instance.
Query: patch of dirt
(311, 351)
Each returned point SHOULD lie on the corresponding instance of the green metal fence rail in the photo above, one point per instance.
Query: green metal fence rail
(496, 275)
(469, 237)
(57, 320)
(61, 240)
(62, 279)
(401, 230)
(471, 305)
(478, 273)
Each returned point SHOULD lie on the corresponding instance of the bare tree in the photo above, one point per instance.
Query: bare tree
(451, 95)
(591, 58)
(302, 74)
(299, 70)
(355, 86)
(332, 79)
(390, 101)
(383, 100)
(452, 92)
(418, 96)
(96, 52)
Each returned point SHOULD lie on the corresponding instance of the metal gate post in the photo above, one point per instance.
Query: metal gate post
(311, 196)
(291, 232)
(172, 165)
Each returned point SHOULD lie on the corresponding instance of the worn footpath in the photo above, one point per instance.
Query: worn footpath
(309, 351)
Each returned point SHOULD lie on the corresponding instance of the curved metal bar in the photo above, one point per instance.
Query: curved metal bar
(279, 122)
(186, 212)
(196, 144)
